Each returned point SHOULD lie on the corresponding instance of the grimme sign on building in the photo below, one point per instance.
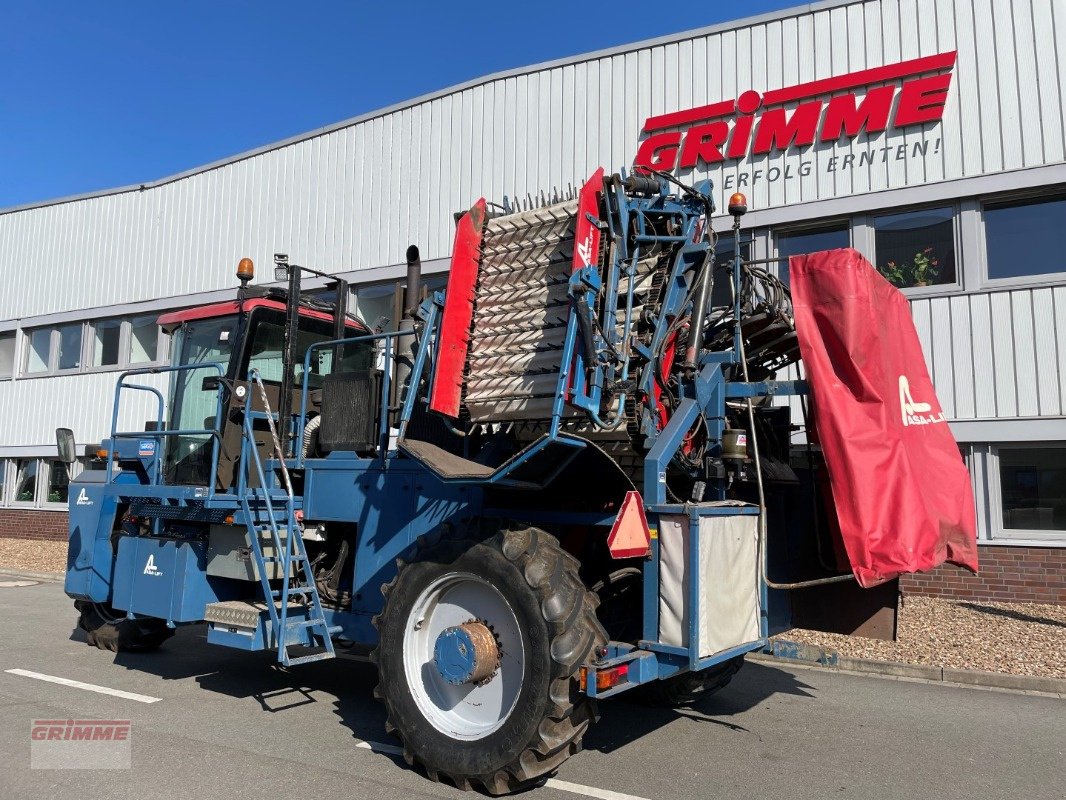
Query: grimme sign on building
(913, 93)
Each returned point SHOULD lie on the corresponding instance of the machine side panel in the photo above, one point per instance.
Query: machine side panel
(392, 504)
(90, 559)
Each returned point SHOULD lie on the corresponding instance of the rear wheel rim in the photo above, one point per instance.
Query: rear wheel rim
(468, 711)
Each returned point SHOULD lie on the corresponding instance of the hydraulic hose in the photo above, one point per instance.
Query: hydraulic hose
(762, 558)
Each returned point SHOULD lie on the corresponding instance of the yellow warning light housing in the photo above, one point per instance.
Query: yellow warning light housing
(245, 270)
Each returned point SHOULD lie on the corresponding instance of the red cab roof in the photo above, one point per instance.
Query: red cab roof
(175, 318)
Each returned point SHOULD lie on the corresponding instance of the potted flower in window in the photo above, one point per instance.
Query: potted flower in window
(926, 268)
(922, 271)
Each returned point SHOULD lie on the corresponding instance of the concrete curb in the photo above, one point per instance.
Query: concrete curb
(813, 656)
(51, 577)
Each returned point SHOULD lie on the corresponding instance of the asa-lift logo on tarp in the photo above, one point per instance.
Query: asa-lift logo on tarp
(914, 412)
(914, 93)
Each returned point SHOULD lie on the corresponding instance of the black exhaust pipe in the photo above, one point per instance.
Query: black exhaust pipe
(414, 280)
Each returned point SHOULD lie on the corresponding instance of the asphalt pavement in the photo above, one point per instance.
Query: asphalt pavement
(214, 722)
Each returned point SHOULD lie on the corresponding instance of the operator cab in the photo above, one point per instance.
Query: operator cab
(240, 336)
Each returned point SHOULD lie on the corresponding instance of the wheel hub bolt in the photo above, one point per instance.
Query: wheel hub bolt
(466, 653)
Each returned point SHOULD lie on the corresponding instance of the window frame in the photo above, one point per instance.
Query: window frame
(123, 349)
(956, 286)
(57, 339)
(44, 471)
(997, 531)
(848, 223)
(8, 483)
(14, 502)
(128, 325)
(27, 349)
(23, 337)
(1020, 281)
(13, 366)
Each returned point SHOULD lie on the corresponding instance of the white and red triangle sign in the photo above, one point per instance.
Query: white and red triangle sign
(630, 536)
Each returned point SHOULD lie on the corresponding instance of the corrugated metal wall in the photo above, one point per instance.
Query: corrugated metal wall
(356, 197)
(1001, 354)
(32, 409)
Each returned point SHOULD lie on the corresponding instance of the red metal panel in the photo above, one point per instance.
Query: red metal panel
(901, 492)
(586, 232)
(174, 318)
(458, 312)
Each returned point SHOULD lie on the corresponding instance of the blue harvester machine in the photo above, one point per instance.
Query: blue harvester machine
(553, 483)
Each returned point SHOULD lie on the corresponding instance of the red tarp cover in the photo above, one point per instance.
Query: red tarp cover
(901, 490)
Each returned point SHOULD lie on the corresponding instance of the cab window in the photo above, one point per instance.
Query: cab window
(268, 343)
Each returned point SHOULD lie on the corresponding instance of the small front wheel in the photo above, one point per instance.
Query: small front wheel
(481, 645)
(109, 629)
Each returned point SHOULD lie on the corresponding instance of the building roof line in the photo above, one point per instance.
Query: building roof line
(721, 27)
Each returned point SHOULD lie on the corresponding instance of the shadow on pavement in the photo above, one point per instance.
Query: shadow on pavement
(348, 686)
(622, 722)
(345, 683)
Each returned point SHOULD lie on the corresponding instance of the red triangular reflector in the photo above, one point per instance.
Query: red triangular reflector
(630, 536)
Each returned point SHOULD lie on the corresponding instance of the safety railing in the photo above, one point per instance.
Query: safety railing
(161, 433)
(388, 357)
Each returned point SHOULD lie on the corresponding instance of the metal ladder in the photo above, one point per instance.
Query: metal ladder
(291, 551)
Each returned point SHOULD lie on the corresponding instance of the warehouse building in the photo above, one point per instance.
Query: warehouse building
(928, 134)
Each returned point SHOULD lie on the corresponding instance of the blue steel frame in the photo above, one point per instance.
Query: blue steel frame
(583, 382)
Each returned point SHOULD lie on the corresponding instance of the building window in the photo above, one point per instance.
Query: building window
(38, 350)
(107, 336)
(3, 482)
(916, 248)
(1032, 482)
(144, 340)
(810, 240)
(25, 480)
(70, 346)
(58, 482)
(1024, 237)
(7, 354)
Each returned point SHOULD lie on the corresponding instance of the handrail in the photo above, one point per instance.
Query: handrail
(290, 503)
(301, 422)
(160, 432)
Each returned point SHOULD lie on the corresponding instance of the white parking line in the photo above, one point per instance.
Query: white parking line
(554, 783)
(378, 747)
(589, 791)
(89, 687)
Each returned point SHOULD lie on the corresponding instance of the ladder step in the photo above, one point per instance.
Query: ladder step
(293, 557)
(292, 662)
(294, 590)
(305, 623)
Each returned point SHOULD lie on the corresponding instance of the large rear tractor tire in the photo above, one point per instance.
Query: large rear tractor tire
(111, 630)
(481, 643)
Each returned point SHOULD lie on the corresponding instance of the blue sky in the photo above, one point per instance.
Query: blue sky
(101, 94)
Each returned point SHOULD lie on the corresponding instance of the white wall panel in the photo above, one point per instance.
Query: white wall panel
(33, 408)
(999, 355)
(355, 196)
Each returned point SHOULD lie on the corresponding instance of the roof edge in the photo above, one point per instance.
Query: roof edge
(720, 27)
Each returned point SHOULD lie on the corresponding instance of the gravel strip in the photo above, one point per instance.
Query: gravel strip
(33, 554)
(1015, 638)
